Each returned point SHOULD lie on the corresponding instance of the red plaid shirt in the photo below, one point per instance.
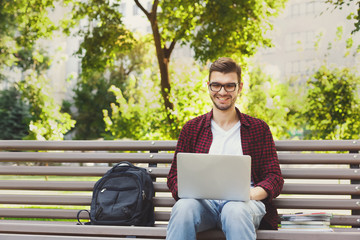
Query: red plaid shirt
(256, 140)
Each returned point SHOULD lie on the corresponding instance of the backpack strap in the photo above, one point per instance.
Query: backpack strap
(78, 217)
(122, 164)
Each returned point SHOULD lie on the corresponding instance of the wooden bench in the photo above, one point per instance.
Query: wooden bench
(43, 181)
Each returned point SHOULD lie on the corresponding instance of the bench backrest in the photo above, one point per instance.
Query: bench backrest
(56, 178)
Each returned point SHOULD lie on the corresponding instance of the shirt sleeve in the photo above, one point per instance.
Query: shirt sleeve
(182, 146)
(270, 174)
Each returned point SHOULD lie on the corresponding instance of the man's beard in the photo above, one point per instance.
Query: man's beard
(223, 107)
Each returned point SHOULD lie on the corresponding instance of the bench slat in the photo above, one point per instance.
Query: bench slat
(320, 173)
(69, 171)
(317, 145)
(113, 145)
(84, 230)
(70, 200)
(169, 201)
(289, 188)
(313, 203)
(105, 157)
(319, 158)
(320, 189)
(56, 237)
(281, 203)
(88, 145)
(291, 173)
(61, 185)
(116, 231)
(95, 157)
(49, 213)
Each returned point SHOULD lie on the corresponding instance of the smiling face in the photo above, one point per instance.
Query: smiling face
(224, 100)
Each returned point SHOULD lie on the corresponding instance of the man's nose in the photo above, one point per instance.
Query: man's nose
(222, 90)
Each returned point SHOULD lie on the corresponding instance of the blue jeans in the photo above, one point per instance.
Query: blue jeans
(238, 220)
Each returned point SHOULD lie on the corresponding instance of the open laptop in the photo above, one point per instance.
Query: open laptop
(208, 176)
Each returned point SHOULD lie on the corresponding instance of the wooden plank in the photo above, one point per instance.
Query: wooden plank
(95, 157)
(289, 188)
(320, 173)
(321, 189)
(312, 203)
(69, 171)
(118, 145)
(106, 157)
(60, 185)
(291, 173)
(88, 145)
(293, 235)
(73, 200)
(46, 185)
(57, 237)
(317, 145)
(301, 235)
(350, 220)
(83, 230)
(319, 158)
(281, 203)
(59, 213)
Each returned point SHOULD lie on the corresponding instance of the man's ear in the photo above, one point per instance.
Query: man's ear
(240, 87)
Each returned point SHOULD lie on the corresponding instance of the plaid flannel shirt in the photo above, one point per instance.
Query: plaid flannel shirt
(256, 140)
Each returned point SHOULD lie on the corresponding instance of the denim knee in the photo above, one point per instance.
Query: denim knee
(235, 212)
(185, 210)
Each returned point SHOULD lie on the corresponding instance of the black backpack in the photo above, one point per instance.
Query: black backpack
(123, 196)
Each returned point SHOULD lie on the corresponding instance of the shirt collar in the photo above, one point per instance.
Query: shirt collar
(241, 116)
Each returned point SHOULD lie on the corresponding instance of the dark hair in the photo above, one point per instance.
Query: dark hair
(225, 65)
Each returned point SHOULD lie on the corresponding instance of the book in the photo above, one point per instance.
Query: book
(316, 221)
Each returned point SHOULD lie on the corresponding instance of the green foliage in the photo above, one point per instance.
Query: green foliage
(104, 35)
(47, 120)
(141, 115)
(189, 95)
(14, 115)
(90, 99)
(91, 92)
(332, 109)
(276, 103)
(218, 28)
(22, 24)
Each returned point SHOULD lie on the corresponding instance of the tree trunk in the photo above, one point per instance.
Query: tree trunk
(163, 61)
(163, 56)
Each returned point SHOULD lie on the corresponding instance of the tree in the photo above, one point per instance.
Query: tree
(14, 115)
(91, 91)
(276, 103)
(332, 109)
(139, 113)
(23, 23)
(212, 29)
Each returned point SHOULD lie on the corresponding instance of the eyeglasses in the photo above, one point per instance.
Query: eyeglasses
(216, 87)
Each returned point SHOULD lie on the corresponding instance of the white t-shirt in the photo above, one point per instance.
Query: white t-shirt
(226, 142)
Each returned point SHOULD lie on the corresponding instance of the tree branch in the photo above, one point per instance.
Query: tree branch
(142, 8)
(169, 50)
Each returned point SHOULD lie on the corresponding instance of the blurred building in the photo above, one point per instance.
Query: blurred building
(308, 34)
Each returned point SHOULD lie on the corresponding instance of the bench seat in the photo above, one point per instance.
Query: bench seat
(43, 184)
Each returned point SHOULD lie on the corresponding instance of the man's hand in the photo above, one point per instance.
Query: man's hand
(258, 193)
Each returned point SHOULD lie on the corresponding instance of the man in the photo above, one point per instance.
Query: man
(225, 130)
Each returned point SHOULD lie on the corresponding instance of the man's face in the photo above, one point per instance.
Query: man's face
(224, 100)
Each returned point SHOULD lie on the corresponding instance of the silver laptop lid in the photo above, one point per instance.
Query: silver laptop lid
(208, 176)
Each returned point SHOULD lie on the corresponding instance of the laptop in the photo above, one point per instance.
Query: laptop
(218, 177)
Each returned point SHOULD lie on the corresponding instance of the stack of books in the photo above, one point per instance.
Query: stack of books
(317, 221)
